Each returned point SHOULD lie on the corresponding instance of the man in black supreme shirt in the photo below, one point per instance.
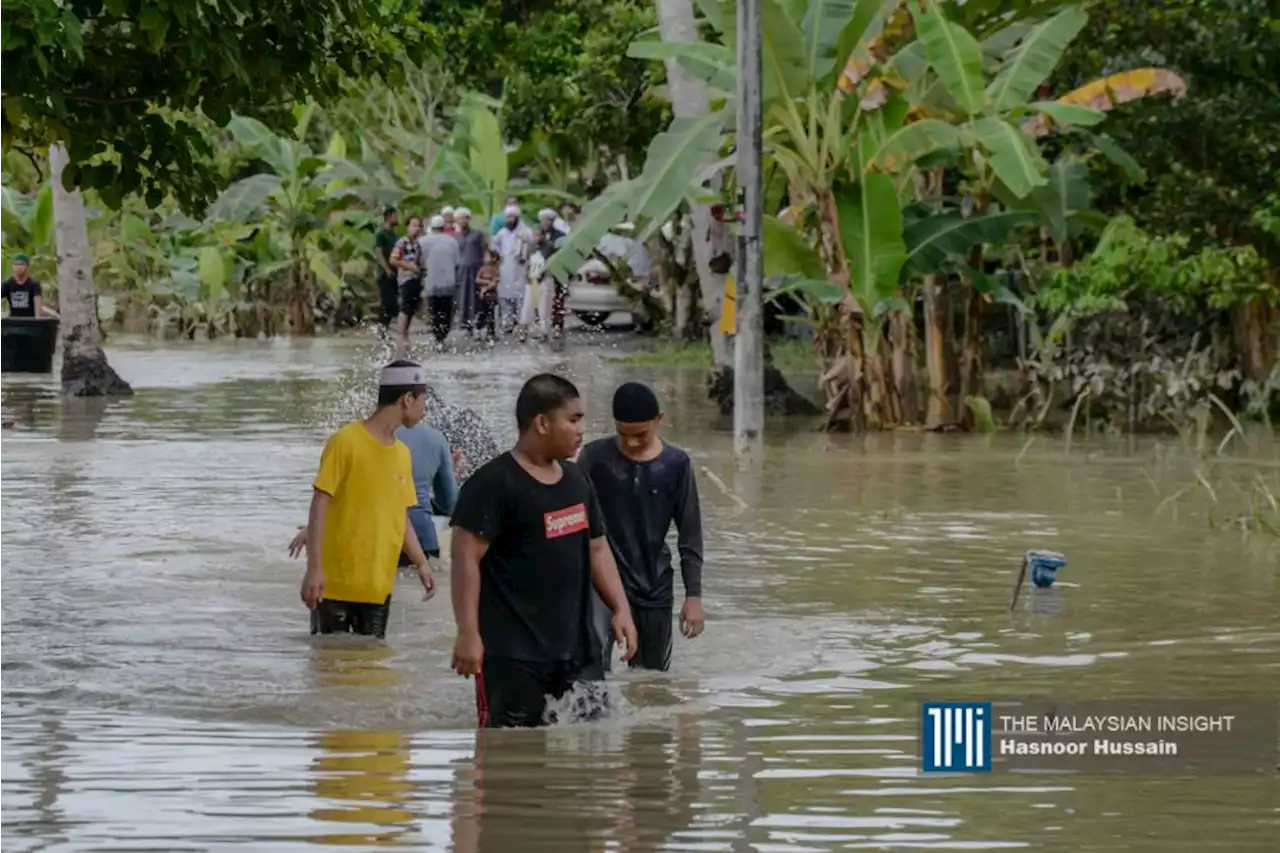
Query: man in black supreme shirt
(528, 546)
(644, 484)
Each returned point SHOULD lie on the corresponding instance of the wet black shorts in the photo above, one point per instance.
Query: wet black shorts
(654, 633)
(350, 617)
(516, 693)
(410, 296)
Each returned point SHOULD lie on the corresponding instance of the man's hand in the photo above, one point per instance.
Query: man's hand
(691, 619)
(312, 588)
(625, 630)
(299, 543)
(468, 652)
(428, 581)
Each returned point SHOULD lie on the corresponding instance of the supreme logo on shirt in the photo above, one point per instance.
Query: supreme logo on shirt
(562, 522)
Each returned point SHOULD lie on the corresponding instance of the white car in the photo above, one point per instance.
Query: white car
(592, 296)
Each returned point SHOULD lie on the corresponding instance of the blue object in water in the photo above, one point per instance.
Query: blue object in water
(1043, 567)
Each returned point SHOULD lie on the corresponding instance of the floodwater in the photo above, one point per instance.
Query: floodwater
(160, 691)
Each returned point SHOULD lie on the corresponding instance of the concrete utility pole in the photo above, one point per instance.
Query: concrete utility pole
(748, 366)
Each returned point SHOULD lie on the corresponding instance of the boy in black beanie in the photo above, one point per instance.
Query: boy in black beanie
(643, 485)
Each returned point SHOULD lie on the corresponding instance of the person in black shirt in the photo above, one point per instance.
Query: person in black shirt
(384, 242)
(644, 484)
(24, 294)
(528, 546)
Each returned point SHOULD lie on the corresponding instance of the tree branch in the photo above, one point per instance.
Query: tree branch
(34, 163)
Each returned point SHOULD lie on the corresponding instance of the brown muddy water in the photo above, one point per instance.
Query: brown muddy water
(160, 690)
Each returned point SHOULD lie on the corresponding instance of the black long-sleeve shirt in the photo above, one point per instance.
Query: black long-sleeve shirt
(640, 500)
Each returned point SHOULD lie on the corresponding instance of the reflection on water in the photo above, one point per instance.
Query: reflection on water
(368, 774)
(161, 689)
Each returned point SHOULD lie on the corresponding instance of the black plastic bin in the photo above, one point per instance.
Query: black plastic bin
(28, 344)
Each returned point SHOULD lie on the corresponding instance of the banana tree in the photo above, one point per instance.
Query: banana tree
(804, 47)
(300, 200)
(476, 166)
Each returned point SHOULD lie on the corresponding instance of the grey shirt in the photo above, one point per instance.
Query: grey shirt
(439, 263)
(432, 467)
(472, 245)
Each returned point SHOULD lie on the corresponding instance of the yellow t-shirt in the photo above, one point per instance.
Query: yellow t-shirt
(372, 488)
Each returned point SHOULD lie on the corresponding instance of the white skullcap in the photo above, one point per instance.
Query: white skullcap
(437, 221)
(399, 377)
(512, 210)
(462, 211)
(546, 213)
(447, 210)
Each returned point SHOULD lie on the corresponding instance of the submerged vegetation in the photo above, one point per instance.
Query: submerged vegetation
(983, 215)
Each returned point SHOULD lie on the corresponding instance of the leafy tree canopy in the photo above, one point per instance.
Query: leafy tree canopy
(560, 67)
(119, 81)
(1212, 155)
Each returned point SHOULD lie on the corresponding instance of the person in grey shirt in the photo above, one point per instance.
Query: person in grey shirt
(433, 481)
(440, 256)
(473, 245)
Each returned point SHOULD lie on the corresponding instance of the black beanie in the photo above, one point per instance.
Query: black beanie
(635, 403)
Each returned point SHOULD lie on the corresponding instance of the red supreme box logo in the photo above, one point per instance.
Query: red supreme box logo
(562, 522)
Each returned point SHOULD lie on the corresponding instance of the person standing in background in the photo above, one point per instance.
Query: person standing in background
(450, 227)
(440, 277)
(23, 293)
(499, 219)
(406, 257)
(487, 293)
(568, 216)
(551, 293)
(512, 244)
(384, 243)
(644, 484)
(472, 248)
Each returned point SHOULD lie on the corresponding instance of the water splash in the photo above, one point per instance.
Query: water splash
(585, 702)
(470, 437)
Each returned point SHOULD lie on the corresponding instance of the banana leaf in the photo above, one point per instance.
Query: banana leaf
(1029, 64)
(934, 240)
(954, 54)
(1014, 159)
(675, 157)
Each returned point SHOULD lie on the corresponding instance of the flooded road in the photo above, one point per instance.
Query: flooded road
(161, 692)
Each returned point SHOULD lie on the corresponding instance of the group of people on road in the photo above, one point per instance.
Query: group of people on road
(482, 280)
(554, 562)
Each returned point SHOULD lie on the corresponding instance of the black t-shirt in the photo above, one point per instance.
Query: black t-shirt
(385, 240)
(535, 579)
(21, 297)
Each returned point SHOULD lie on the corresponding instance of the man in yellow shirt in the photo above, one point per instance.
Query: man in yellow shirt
(357, 525)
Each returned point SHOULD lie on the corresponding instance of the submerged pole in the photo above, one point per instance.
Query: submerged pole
(748, 366)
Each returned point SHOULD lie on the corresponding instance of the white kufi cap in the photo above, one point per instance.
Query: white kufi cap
(462, 211)
(399, 377)
(447, 211)
(546, 213)
(512, 210)
(437, 222)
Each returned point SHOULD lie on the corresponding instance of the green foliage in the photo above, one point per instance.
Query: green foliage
(291, 230)
(671, 168)
(1129, 264)
(559, 66)
(1211, 154)
(122, 82)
